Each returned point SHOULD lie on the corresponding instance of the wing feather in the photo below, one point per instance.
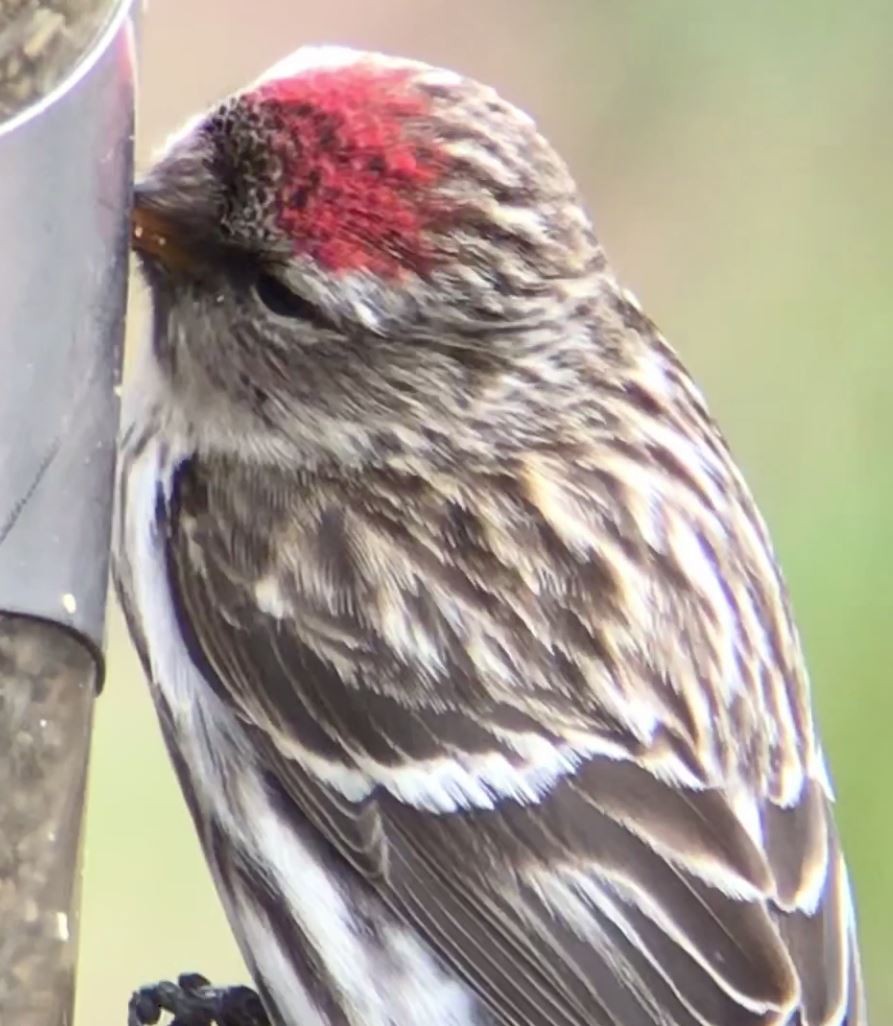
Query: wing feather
(575, 867)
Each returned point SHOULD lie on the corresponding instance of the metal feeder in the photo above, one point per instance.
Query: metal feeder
(66, 115)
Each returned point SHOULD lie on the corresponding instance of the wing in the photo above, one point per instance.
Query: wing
(571, 757)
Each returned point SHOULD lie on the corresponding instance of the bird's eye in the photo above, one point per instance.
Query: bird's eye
(279, 299)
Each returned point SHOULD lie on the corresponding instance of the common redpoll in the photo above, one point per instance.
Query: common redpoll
(468, 644)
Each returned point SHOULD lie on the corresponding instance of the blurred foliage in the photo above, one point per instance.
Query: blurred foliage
(738, 160)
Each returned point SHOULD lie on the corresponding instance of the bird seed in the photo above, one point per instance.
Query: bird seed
(46, 695)
(40, 43)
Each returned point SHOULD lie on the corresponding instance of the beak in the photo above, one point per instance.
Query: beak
(156, 235)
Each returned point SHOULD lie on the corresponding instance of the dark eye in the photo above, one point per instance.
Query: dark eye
(280, 300)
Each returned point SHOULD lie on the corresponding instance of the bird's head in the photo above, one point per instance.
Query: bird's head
(362, 238)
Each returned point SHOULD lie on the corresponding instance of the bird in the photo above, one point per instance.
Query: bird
(468, 643)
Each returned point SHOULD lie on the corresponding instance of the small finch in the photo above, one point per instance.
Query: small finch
(466, 638)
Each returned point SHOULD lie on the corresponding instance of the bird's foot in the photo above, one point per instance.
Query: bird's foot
(192, 1001)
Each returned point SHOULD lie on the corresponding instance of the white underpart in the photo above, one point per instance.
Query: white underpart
(422, 990)
(212, 743)
(325, 916)
(278, 970)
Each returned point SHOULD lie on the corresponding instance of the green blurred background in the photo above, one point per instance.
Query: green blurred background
(737, 158)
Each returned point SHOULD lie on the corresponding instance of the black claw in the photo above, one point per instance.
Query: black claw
(144, 1008)
(192, 1001)
(240, 1006)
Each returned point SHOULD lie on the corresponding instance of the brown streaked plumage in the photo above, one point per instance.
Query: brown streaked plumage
(467, 640)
